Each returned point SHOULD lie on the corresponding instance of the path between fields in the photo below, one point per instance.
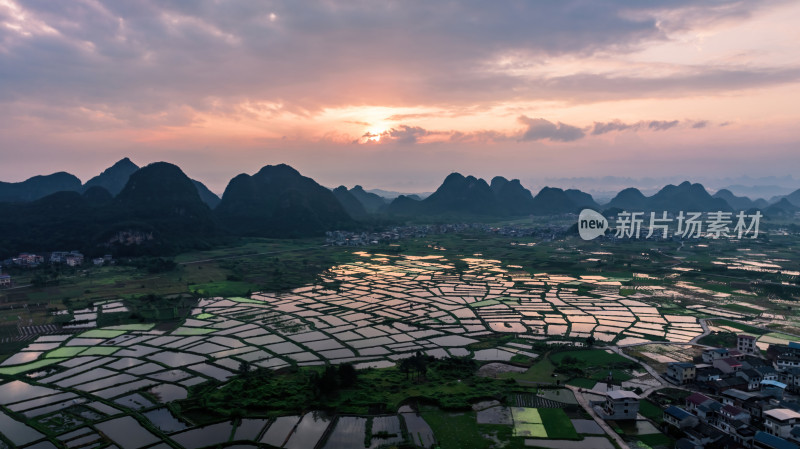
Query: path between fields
(606, 428)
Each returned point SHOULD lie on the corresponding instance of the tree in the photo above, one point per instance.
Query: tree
(347, 375)
(590, 340)
(328, 382)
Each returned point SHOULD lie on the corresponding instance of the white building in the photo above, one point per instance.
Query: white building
(781, 421)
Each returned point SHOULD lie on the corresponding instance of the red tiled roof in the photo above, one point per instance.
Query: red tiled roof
(697, 398)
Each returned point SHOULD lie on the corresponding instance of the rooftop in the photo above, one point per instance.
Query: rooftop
(697, 398)
(782, 414)
(622, 394)
(773, 441)
(677, 412)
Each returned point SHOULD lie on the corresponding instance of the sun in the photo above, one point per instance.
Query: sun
(373, 135)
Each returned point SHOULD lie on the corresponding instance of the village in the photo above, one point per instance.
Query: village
(31, 260)
(737, 397)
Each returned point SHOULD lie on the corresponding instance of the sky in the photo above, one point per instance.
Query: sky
(398, 94)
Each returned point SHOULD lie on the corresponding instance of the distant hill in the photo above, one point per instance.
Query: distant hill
(781, 208)
(372, 203)
(470, 197)
(404, 206)
(581, 199)
(759, 191)
(390, 195)
(279, 202)
(683, 197)
(740, 202)
(511, 197)
(458, 195)
(97, 196)
(113, 178)
(553, 201)
(793, 198)
(60, 221)
(687, 197)
(353, 207)
(160, 198)
(38, 187)
(628, 199)
(210, 198)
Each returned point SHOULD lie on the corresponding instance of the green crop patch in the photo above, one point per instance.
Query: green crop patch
(101, 333)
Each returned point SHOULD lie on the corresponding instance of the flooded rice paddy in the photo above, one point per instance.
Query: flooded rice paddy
(371, 313)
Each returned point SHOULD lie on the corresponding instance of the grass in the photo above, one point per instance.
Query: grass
(66, 351)
(376, 390)
(101, 333)
(558, 424)
(742, 327)
(742, 309)
(592, 357)
(582, 383)
(651, 411)
(719, 340)
(552, 423)
(656, 440)
(541, 372)
(14, 370)
(460, 431)
(101, 350)
(193, 331)
(133, 327)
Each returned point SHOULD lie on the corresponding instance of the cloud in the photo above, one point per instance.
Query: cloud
(148, 56)
(535, 129)
(541, 129)
(403, 134)
(616, 125)
(655, 125)
(661, 125)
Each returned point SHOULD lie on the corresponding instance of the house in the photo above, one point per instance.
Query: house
(731, 413)
(680, 418)
(753, 378)
(681, 373)
(763, 440)
(620, 404)
(5, 280)
(708, 373)
(704, 435)
(790, 377)
(28, 260)
(736, 397)
(709, 355)
(746, 344)
(727, 365)
(727, 383)
(732, 418)
(767, 372)
(694, 400)
(787, 360)
(98, 261)
(736, 354)
(780, 421)
(74, 259)
(704, 407)
(773, 388)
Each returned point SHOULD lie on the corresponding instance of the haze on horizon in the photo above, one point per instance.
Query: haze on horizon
(396, 95)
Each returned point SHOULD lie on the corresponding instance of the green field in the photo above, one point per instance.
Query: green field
(460, 431)
(550, 423)
(651, 411)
